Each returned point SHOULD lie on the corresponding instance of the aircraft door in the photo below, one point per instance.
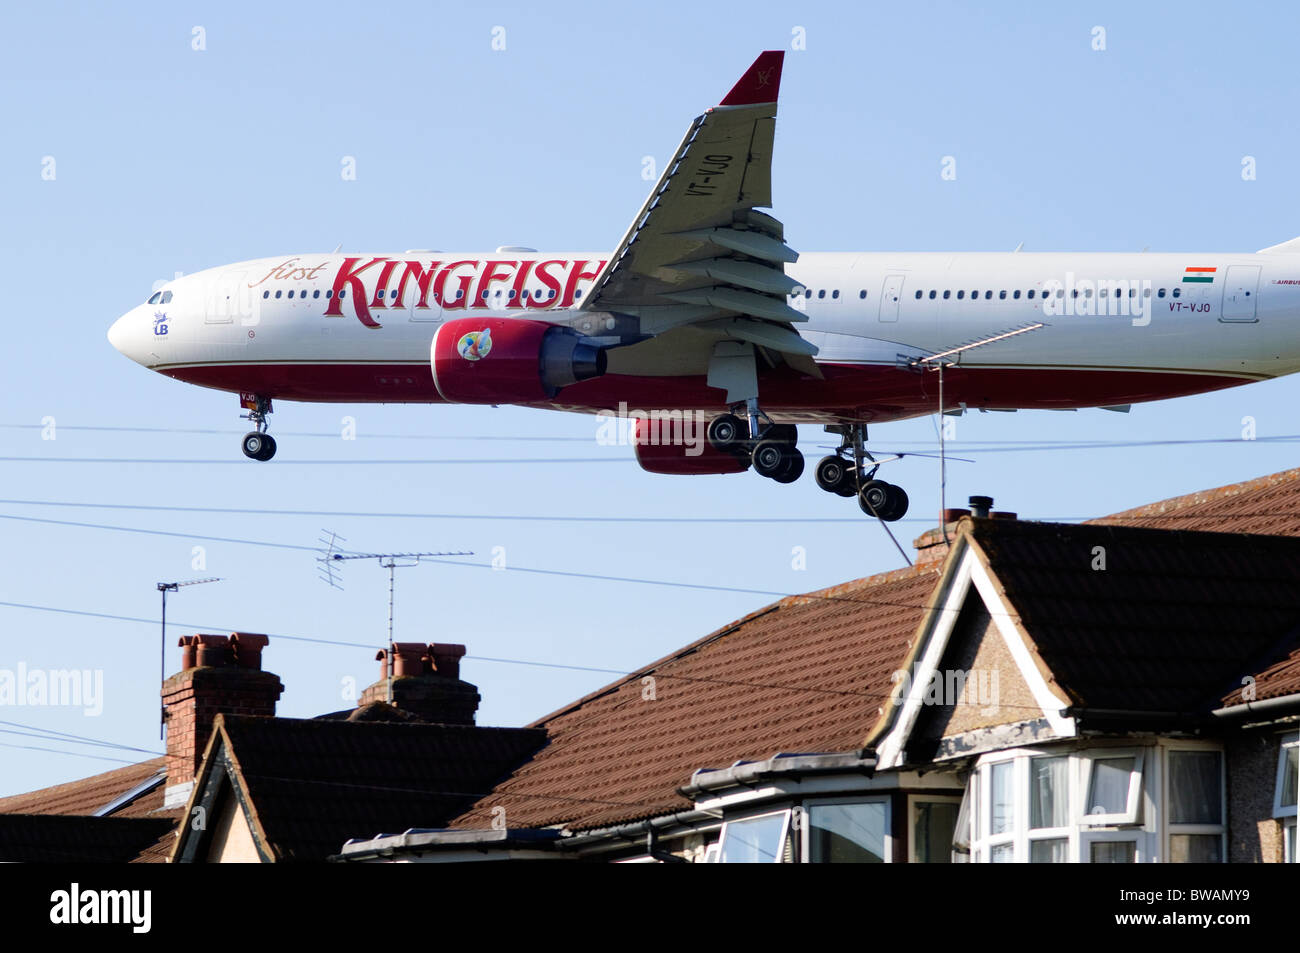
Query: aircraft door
(430, 310)
(1240, 294)
(890, 296)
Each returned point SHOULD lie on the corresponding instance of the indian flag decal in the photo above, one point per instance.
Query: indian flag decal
(1199, 275)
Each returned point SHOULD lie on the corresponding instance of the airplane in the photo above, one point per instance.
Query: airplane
(706, 315)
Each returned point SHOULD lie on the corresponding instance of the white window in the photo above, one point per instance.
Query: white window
(1284, 794)
(846, 832)
(1026, 813)
(1113, 787)
(1049, 810)
(1194, 805)
(1046, 806)
(1109, 848)
(755, 840)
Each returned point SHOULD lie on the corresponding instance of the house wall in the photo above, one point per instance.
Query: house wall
(232, 840)
(995, 693)
(1254, 835)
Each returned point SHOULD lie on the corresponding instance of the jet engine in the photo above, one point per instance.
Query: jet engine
(668, 443)
(508, 361)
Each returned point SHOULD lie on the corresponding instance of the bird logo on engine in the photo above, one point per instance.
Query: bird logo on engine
(476, 345)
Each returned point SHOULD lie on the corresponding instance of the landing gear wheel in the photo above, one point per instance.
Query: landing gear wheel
(848, 486)
(793, 467)
(831, 472)
(883, 500)
(770, 458)
(259, 446)
(873, 498)
(726, 432)
(898, 504)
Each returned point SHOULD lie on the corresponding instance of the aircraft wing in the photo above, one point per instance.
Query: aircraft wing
(699, 252)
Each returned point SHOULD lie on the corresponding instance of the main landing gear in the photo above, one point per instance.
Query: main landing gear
(850, 471)
(257, 443)
(770, 448)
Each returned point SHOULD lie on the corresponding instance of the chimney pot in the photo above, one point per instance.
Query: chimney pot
(188, 652)
(446, 658)
(953, 514)
(980, 506)
(248, 647)
(213, 650)
(426, 683)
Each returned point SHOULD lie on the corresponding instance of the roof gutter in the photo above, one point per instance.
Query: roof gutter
(780, 766)
(1269, 707)
(634, 830)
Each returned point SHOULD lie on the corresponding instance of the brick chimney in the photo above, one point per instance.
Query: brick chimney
(426, 683)
(218, 674)
(932, 545)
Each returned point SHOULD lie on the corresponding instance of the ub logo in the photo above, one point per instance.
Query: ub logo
(160, 323)
(476, 345)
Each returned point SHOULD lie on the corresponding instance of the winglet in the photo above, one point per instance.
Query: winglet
(760, 83)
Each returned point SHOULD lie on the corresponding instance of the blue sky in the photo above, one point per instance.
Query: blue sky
(173, 159)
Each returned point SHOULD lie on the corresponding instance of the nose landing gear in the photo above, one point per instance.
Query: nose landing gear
(257, 443)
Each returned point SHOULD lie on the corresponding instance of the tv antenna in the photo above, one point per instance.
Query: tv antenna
(390, 561)
(939, 362)
(164, 588)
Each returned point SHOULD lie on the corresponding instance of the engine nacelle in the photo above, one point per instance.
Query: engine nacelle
(509, 361)
(679, 444)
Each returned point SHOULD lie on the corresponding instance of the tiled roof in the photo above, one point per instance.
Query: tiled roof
(1170, 624)
(94, 793)
(1267, 505)
(315, 784)
(808, 673)
(61, 838)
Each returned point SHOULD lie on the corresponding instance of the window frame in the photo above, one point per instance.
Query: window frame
(804, 845)
(912, 801)
(785, 831)
(1133, 802)
(1135, 837)
(1285, 743)
(1172, 829)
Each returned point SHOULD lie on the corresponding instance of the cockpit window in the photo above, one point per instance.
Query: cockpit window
(153, 299)
(166, 298)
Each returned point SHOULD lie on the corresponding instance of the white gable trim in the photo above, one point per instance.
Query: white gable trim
(1051, 703)
(941, 620)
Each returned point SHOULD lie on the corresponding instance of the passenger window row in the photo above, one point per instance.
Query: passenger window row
(1002, 295)
(343, 293)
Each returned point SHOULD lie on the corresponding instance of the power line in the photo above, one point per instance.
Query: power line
(334, 434)
(76, 754)
(235, 461)
(618, 672)
(541, 518)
